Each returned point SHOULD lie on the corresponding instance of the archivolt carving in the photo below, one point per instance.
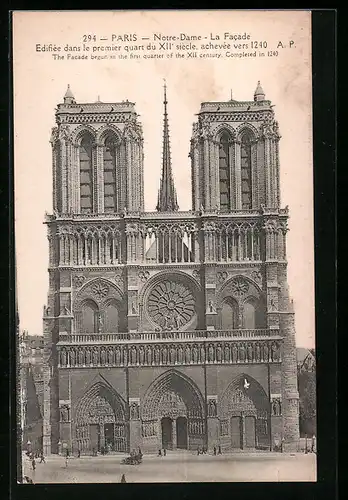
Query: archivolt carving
(99, 289)
(100, 403)
(224, 128)
(247, 127)
(106, 131)
(176, 390)
(238, 287)
(243, 394)
(80, 131)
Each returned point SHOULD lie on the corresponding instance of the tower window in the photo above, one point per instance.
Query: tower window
(86, 176)
(246, 172)
(110, 203)
(224, 173)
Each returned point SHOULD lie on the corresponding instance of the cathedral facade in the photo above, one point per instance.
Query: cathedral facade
(168, 329)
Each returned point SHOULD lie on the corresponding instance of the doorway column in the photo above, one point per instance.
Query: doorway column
(101, 435)
(243, 431)
(174, 437)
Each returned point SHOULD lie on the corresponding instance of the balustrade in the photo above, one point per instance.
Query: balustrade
(92, 338)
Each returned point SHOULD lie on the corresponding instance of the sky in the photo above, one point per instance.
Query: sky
(40, 83)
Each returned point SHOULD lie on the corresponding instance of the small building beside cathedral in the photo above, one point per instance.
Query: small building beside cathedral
(168, 329)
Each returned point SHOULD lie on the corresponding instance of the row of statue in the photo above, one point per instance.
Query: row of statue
(196, 427)
(224, 431)
(149, 429)
(241, 352)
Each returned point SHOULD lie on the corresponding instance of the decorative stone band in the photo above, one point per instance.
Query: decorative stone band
(169, 354)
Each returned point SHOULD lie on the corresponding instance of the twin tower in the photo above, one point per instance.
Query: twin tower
(168, 329)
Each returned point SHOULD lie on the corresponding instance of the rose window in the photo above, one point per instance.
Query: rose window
(171, 305)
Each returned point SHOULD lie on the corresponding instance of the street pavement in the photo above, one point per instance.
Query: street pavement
(177, 467)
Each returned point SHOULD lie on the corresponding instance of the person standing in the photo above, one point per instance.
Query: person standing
(42, 458)
(78, 453)
(164, 452)
(159, 453)
(214, 450)
(123, 479)
(219, 450)
(33, 463)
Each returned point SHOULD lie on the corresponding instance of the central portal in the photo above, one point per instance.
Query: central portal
(167, 433)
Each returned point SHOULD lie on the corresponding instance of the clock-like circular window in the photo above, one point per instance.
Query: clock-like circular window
(171, 305)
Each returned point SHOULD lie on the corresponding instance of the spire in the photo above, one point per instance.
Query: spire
(259, 94)
(69, 96)
(167, 200)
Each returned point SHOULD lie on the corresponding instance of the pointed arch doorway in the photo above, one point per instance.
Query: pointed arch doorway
(173, 414)
(100, 421)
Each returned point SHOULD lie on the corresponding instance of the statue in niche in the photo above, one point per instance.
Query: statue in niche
(272, 304)
(102, 356)
(100, 323)
(134, 411)
(257, 352)
(227, 353)
(172, 355)
(211, 353)
(250, 353)
(219, 353)
(164, 355)
(202, 354)
(211, 308)
(241, 353)
(48, 311)
(149, 355)
(110, 356)
(275, 352)
(134, 311)
(276, 408)
(195, 354)
(118, 356)
(72, 357)
(180, 354)
(265, 352)
(63, 358)
(95, 357)
(81, 357)
(88, 357)
(134, 355)
(234, 353)
(125, 355)
(188, 354)
(157, 355)
(141, 355)
(64, 414)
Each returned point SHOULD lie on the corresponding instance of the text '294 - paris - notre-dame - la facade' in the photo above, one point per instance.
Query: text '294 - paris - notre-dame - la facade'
(168, 329)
